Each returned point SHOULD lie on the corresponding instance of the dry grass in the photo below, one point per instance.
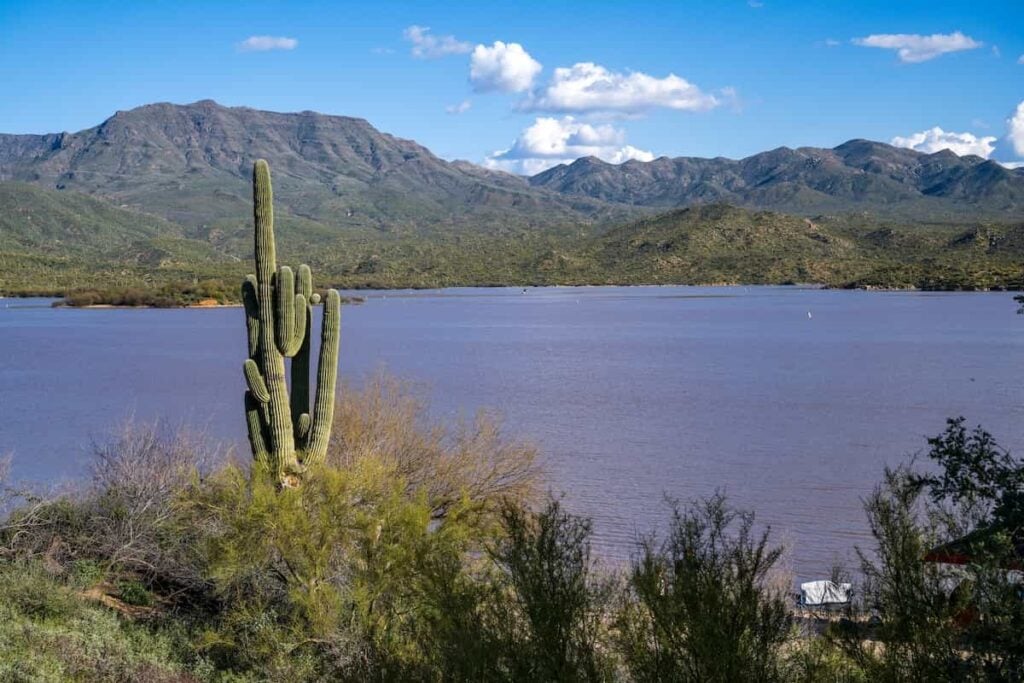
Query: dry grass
(388, 421)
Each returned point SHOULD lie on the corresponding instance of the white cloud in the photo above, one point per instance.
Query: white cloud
(936, 139)
(1011, 164)
(589, 87)
(506, 67)
(460, 108)
(832, 42)
(1015, 129)
(267, 43)
(425, 45)
(913, 48)
(552, 141)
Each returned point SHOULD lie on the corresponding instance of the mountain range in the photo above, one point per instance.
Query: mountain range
(191, 164)
(859, 175)
(168, 186)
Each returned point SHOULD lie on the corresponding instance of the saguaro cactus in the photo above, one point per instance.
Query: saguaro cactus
(286, 437)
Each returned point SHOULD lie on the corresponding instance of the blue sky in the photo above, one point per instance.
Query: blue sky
(522, 86)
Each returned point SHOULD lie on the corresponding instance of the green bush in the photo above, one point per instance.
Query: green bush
(552, 624)
(702, 604)
(50, 633)
(340, 569)
(134, 593)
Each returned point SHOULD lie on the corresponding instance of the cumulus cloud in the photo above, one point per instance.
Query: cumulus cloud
(552, 141)
(588, 87)
(426, 45)
(1011, 164)
(913, 48)
(936, 139)
(505, 67)
(460, 108)
(267, 43)
(1015, 129)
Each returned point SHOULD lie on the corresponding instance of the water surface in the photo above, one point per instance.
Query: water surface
(791, 400)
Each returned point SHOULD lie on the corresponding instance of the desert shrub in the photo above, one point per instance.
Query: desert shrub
(912, 597)
(702, 604)
(551, 618)
(335, 577)
(137, 479)
(125, 520)
(387, 422)
(941, 621)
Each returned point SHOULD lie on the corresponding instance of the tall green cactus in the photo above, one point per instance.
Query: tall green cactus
(286, 438)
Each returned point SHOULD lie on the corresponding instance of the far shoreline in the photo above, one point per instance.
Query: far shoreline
(359, 300)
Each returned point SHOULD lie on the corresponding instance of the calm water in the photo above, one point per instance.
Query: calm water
(632, 393)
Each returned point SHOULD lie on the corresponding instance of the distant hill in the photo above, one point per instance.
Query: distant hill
(721, 243)
(61, 223)
(718, 243)
(857, 176)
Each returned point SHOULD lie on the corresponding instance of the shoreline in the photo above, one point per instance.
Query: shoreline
(58, 302)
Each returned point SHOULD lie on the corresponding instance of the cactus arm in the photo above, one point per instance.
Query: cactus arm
(298, 334)
(302, 426)
(257, 387)
(300, 359)
(252, 313)
(305, 281)
(284, 314)
(300, 380)
(326, 380)
(290, 321)
(271, 362)
(257, 432)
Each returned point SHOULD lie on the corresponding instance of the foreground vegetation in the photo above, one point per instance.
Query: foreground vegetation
(420, 552)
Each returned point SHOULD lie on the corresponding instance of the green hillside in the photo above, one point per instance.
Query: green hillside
(54, 242)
